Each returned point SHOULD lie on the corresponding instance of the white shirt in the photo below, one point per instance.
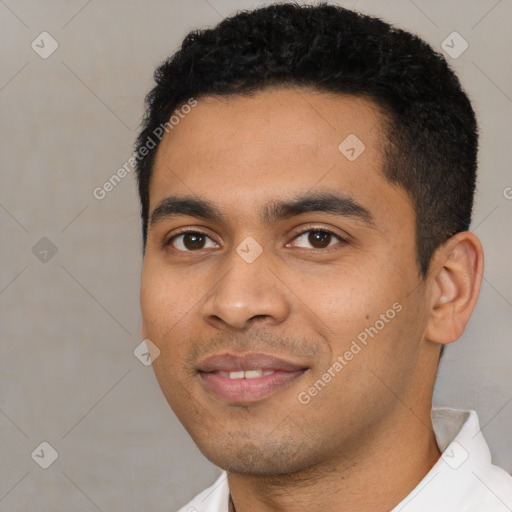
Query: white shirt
(462, 480)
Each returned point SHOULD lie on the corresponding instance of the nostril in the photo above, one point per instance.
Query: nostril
(259, 316)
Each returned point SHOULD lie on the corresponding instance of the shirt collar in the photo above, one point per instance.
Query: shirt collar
(462, 480)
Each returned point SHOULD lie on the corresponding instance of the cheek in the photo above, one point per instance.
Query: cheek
(367, 310)
(164, 313)
(163, 302)
(347, 301)
(151, 303)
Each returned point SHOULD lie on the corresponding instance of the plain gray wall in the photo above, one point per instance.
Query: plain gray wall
(69, 325)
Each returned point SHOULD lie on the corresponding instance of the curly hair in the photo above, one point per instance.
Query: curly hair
(430, 126)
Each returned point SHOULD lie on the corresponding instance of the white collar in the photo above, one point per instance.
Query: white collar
(462, 480)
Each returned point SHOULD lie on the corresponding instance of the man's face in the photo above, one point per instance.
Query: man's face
(321, 304)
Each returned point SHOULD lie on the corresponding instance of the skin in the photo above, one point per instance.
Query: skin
(366, 439)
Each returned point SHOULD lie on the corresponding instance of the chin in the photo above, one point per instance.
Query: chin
(266, 459)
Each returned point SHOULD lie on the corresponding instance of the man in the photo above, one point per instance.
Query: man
(306, 179)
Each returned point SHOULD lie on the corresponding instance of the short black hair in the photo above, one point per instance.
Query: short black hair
(430, 126)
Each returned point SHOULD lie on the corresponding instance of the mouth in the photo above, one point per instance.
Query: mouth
(248, 378)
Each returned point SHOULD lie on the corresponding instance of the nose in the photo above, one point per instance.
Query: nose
(247, 293)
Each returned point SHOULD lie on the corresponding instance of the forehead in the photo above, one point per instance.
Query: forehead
(241, 150)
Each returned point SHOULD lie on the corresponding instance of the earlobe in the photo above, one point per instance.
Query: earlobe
(456, 278)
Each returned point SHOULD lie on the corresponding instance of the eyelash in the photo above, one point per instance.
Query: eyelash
(307, 230)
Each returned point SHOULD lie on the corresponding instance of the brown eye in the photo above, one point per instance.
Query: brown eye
(190, 241)
(318, 238)
(193, 241)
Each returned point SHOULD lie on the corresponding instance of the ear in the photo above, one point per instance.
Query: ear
(455, 280)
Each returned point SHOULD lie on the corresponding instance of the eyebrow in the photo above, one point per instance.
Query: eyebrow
(327, 202)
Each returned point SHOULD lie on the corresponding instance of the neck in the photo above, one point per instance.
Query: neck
(374, 478)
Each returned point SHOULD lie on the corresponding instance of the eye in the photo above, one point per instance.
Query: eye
(318, 238)
(189, 241)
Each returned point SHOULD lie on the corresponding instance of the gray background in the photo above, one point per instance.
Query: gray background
(69, 324)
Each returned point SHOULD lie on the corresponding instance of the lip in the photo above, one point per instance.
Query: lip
(245, 391)
(250, 361)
